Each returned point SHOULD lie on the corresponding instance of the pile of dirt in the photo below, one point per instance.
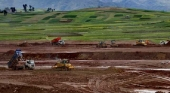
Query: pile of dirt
(168, 44)
(101, 56)
(10, 52)
(37, 44)
(25, 44)
(7, 55)
(125, 45)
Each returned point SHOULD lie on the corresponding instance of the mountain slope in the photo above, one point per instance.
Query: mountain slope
(142, 4)
(79, 4)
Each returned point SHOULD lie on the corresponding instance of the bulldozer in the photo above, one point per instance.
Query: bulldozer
(63, 64)
(101, 44)
(142, 42)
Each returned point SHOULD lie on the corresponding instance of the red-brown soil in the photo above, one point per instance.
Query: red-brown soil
(94, 68)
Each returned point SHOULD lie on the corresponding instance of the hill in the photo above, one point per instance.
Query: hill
(87, 24)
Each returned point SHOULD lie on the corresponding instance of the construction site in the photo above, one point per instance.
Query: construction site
(95, 67)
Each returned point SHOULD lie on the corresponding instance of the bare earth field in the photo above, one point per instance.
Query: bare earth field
(122, 69)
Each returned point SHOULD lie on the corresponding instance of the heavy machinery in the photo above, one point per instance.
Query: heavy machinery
(113, 43)
(57, 41)
(101, 44)
(63, 64)
(17, 62)
(167, 42)
(142, 42)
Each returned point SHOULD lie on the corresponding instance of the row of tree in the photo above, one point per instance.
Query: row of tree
(25, 7)
(50, 10)
(31, 8)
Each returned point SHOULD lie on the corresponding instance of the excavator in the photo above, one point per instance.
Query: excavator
(113, 43)
(17, 62)
(101, 44)
(63, 64)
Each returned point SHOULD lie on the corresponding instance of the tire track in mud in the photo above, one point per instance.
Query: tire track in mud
(102, 84)
(82, 87)
(99, 85)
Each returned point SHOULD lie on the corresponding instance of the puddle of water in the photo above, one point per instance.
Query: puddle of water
(149, 91)
(4, 66)
(43, 86)
(133, 71)
(43, 67)
(102, 67)
(126, 67)
(76, 85)
(135, 68)
(11, 81)
(162, 69)
(36, 67)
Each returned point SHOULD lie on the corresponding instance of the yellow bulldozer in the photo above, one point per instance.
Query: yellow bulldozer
(142, 42)
(63, 64)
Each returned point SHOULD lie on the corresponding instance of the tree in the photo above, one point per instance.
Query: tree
(33, 9)
(30, 8)
(50, 10)
(13, 10)
(25, 7)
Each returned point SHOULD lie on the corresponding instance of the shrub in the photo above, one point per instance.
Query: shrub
(93, 17)
(137, 16)
(118, 15)
(69, 16)
(88, 20)
(145, 18)
(53, 21)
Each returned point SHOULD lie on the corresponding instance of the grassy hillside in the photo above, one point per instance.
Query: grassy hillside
(87, 24)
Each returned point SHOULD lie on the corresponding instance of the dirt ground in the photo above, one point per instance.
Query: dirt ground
(122, 69)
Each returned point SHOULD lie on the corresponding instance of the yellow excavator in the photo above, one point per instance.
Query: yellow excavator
(63, 64)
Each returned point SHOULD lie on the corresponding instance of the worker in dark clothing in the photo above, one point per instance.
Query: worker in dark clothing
(5, 12)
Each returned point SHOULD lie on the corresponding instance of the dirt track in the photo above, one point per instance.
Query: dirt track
(124, 69)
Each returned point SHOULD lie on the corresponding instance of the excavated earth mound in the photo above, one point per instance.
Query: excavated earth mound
(102, 56)
(25, 44)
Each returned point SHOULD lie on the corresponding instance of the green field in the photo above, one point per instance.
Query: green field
(87, 25)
